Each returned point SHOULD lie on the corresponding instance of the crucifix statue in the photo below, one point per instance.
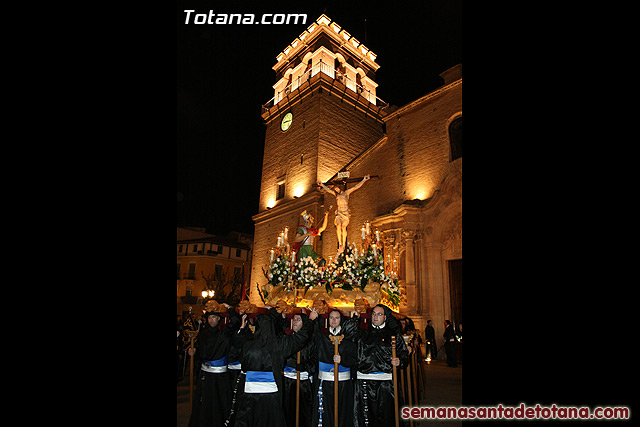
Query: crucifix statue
(342, 199)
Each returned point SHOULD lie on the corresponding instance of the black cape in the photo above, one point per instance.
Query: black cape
(212, 397)
(308, 363)
(430, 341)
(374, 400)
(266, 351)
(324, 390)
(449, 346)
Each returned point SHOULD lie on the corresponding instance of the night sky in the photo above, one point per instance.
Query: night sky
(224, 76)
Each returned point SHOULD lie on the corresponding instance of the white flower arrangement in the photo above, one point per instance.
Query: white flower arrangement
(279, 270)
(346, 273)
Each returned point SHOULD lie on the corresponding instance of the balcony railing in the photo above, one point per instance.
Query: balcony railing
(326, 69)
(200, 252)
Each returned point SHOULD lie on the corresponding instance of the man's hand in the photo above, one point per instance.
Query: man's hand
(395, 361)
(336, 358)
(244, 321)
(313, 315)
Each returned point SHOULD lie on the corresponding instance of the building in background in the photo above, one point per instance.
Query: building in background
(209, 262)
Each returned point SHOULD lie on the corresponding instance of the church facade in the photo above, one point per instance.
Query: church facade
(325, 119)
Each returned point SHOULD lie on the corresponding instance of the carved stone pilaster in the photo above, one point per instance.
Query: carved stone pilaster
(454, 231)
(393, 242)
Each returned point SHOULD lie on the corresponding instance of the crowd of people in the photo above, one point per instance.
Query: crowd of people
(267, 368)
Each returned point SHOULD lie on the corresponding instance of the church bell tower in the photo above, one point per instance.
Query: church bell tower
(324, 112)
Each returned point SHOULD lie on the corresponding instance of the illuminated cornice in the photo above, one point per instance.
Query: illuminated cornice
(422, 100)
(324, 25)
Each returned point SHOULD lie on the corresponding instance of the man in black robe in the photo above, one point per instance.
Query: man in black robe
(236, 376)
(450, 344)
(307, 369)
(212, 400)
(263, 356)
(374, 399)
(323, 401)
(430, 338)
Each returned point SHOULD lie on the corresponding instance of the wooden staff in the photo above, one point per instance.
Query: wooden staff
(410, 378)
(298, 391)
(192, 336)
(335, 339)
(402, 383)
(416, 373)
(395, 380)
(409, 381)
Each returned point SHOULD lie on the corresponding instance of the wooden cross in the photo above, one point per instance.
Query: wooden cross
(343, 178)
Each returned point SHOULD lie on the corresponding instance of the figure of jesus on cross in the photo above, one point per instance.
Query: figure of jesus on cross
(342, 213)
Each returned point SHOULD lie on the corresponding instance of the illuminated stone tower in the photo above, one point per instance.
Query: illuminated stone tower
(325, 118)
(323, 114)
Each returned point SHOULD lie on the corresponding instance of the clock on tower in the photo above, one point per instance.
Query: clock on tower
(286, 122)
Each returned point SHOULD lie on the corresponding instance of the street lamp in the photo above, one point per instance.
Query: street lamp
(208, 293)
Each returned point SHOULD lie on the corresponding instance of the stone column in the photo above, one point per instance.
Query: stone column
(435, 291)
(409, 271)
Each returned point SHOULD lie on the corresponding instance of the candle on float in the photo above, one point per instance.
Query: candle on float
(356, 252)
(271, 260)
(286, 233)
(363, 235)
(367, 226)
(395, 265)
(375, 254)
(378, 236)
(293, 257)
(278, 242)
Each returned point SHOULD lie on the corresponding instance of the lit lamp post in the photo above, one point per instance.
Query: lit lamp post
(208, 293)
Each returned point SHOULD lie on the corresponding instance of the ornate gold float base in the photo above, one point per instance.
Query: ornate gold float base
(341, 299)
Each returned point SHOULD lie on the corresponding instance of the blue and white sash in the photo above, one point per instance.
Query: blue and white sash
(215, 366)
(326, 372)
(375, 376)
(234, 366)
(290, 372)
(260, 382)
